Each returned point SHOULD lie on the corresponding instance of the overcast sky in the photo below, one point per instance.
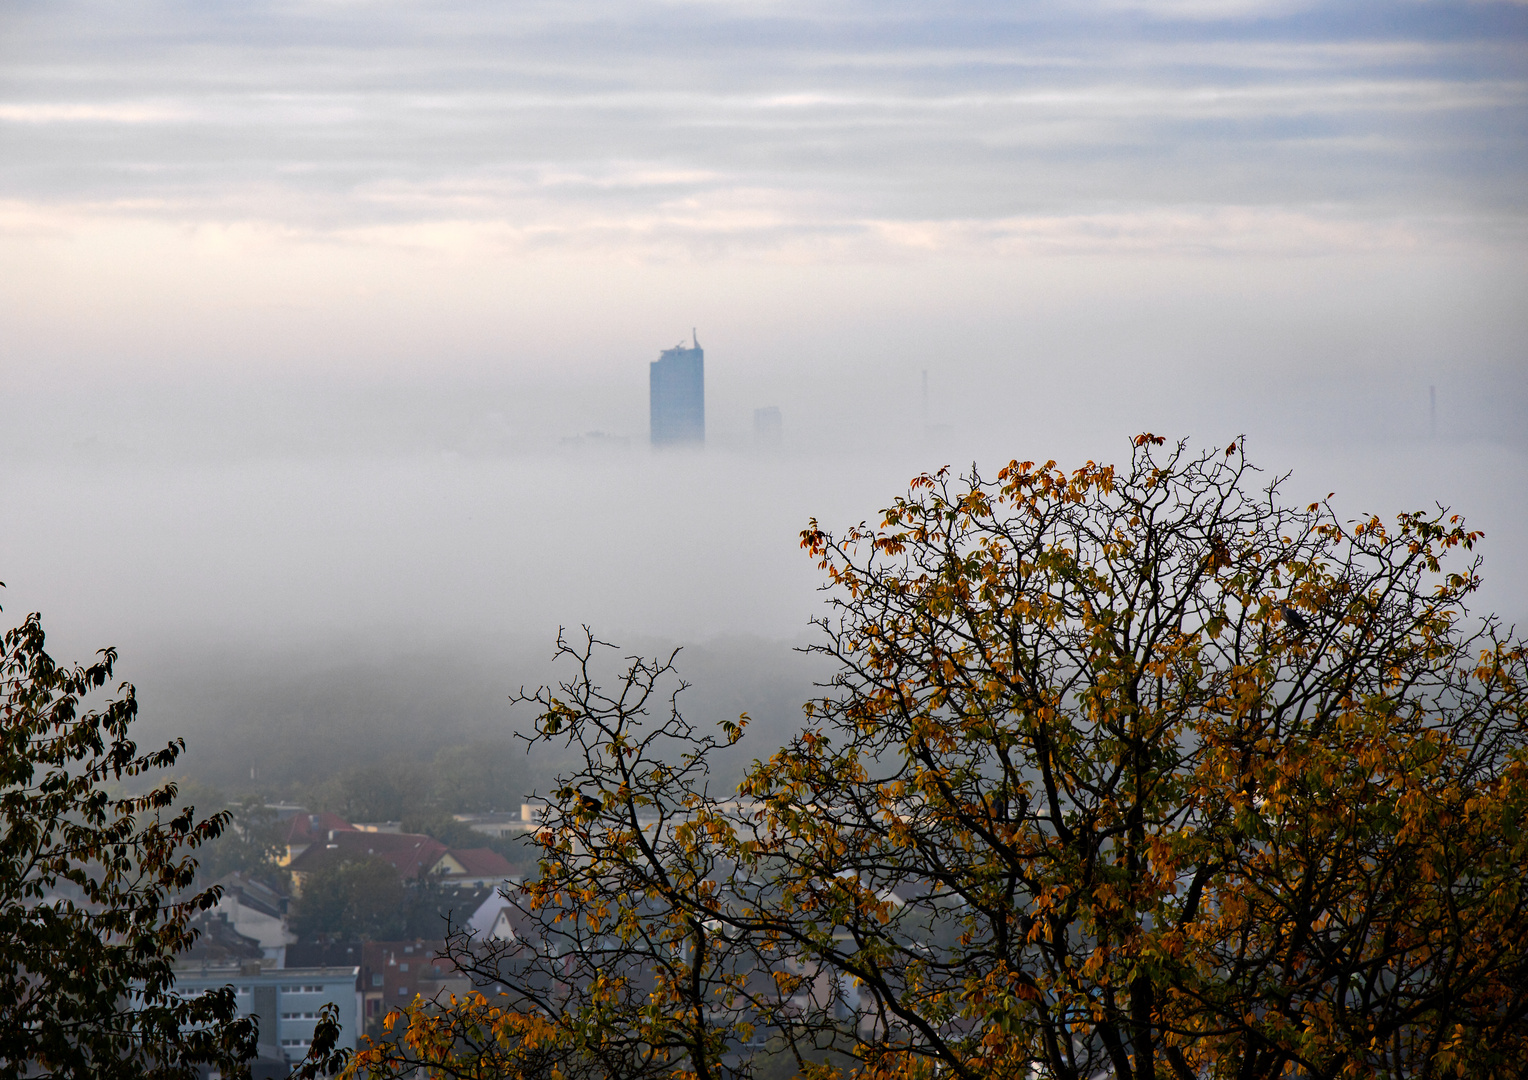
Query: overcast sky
(299, 302)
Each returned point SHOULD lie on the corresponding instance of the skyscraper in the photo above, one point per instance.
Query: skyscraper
(677, 384)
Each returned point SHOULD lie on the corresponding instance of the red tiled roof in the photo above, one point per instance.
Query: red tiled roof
(410, 853)
(482, 862)
(311, 828)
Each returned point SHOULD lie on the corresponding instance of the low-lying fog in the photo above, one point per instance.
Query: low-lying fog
(293, 605)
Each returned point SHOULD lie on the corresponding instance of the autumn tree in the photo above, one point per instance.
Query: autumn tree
(1207, 784)
(96, 885)
(1137, 772)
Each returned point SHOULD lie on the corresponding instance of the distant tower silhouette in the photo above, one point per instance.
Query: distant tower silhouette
(677, 389)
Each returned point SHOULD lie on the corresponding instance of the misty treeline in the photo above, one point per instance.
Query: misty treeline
(414, 740)
(293, 727)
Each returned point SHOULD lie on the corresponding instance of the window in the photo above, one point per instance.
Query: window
(403, 967)
(403, 991)
(376, 979)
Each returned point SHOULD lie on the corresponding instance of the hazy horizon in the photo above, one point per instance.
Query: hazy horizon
(307, 309)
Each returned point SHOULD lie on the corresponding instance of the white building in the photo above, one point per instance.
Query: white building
(256, 911)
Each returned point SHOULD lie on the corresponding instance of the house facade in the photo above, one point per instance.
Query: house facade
(286, 1001)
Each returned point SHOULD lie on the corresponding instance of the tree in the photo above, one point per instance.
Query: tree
(479, 777)
(354, 899)
(1205, 783)
(379, 791)
(94, 905)
(251, 844)
(1136, 772)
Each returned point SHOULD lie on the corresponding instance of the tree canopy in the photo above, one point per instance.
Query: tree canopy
(1134, 771)
(354, 900)
(96, 895)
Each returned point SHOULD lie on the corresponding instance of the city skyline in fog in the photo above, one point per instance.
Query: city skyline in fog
(306, 309)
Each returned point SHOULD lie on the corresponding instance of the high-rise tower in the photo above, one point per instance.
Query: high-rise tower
(677, 384)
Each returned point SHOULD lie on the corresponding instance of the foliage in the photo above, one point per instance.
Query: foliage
(476, 778)
(250, 845)
(1135, 772)
(465, 1037)
(325, 1056)
(93, 886)
(1203, 782)
(357, 899)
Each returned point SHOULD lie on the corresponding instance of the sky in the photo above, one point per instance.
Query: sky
(307, 309)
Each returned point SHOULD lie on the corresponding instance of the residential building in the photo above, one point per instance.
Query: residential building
(393, 973)
(218, 941)
(473, 867)
(287, 1001)
(528, 820)
(304, 830)
(256, 910)
(413, 855)
(496, 919)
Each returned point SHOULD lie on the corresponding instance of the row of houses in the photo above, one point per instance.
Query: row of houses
(314, 841)
(247, 942)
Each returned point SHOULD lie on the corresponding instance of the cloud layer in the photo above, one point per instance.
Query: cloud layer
(806, 131)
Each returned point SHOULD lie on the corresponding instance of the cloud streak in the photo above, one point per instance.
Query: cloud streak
(770, 128)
